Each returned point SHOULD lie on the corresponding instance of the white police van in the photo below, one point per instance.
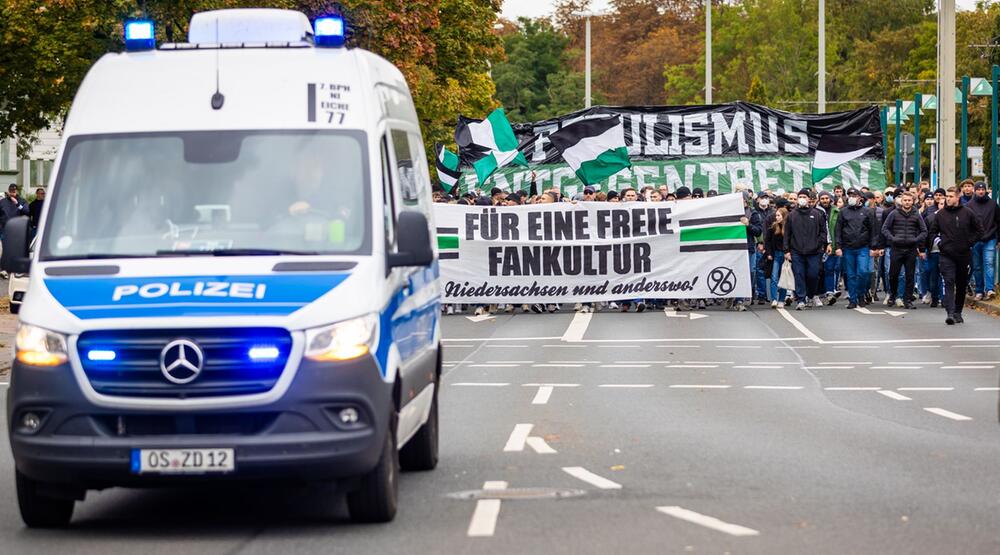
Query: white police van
(234, 277)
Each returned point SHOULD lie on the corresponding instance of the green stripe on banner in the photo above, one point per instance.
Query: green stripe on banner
(604, 166)
(447, 241)
(715, 233)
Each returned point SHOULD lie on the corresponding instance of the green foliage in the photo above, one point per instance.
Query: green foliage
(442, 47)
(534, 82)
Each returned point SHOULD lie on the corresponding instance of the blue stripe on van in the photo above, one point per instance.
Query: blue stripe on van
(144, 297)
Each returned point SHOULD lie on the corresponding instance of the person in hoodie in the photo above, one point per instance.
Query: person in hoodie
(956, 229)
(985, 250)
(831, 266)
(905, 232)
(930, 274)
(856, 237)
(763, 212)
(806, 239)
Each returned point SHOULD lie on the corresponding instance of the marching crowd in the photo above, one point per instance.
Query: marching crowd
(898, 247)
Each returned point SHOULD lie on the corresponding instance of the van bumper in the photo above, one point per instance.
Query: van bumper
(299, 437)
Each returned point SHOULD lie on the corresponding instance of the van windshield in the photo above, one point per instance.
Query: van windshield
(210, 193)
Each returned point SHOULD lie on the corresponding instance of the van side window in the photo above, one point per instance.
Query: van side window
(408, 185)
(388, 200)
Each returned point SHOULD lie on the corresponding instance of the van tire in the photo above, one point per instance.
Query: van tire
(40, 511)
(421, 452)
(377, 495)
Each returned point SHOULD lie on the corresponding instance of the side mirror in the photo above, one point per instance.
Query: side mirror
(15, 258)
(414, 241)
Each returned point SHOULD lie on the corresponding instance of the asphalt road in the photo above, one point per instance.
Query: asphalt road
(824, 431)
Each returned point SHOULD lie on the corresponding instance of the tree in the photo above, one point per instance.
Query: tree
(534, 83)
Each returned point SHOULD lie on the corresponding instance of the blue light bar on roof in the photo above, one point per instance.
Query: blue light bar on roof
(139, 35)
(328, 31)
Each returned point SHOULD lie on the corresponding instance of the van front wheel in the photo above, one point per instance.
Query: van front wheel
(376, 498)
(40, 511)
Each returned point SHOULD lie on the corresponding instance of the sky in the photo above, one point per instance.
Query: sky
(513, 9)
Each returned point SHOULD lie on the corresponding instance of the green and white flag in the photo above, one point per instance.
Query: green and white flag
(493, 140)
(834, 151)
(594, 148)
(447, 167)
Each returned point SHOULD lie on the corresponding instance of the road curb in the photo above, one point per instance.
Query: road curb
(983, 306)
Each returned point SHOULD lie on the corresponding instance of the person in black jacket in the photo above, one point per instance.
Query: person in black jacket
(958, 229)
(984, 251)
(806, 239)
(905, 231)
(856, 239)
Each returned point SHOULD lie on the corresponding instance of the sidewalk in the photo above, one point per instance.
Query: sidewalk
(989, 307)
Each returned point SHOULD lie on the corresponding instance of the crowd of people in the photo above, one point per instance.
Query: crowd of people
(900, 246)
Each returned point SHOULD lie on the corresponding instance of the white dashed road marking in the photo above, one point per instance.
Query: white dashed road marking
(894, 395)
(626, 385)
(925, 388)
(484, 518)
(482, 384)
(968, 367)
(695, 386)
(585, 475)
(624, 366)
(542, 397)
(708, 521)
(852, 388)
(947, 413)
(773, 387)
(692, 366)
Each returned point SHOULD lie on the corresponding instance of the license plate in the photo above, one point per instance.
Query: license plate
(182, 461)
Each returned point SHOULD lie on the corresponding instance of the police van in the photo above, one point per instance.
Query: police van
(234, 277)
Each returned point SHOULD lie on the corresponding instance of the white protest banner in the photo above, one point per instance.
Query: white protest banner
(593, 251)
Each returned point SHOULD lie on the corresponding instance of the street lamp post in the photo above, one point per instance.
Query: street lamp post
(964, 144)
(946, 96)
(896, 164)
(917, 102)
(821, 74)
(587, 99)
(708, 51)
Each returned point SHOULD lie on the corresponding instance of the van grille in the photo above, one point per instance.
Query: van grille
(227, 368)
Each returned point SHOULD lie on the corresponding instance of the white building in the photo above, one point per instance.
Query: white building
(34, 170)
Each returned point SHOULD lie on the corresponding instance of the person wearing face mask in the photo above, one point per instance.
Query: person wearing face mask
(831, 263)
(856, 237)
(984, 251)
(905, 231)
(929, 275)
(957, 229)
(763, 213)
(806, 239)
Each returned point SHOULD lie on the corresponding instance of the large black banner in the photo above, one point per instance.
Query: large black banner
(737, 129)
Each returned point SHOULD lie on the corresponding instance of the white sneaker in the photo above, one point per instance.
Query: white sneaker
(480, 311)
(899, 303)
(979, 296)
(578, 307)
(509, 309)
(887, 301)
(926, 299)
(818, 302)
(613, 305)
(800, 306)
(774, 304)
(990, 294)
(450, 309)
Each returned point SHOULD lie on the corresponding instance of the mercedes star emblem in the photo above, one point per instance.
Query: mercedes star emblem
(181, 361)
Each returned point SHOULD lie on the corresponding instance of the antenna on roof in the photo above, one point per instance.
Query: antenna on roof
(217, 99)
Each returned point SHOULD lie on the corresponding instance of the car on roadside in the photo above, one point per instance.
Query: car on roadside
(234, 278)
(17, 286)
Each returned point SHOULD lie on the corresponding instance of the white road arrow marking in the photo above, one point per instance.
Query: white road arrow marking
(864, 310)
(481, 318)
(519, 437)
(708, 521)
(672, 313)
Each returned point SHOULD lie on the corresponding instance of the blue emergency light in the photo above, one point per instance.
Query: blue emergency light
(101, 355)
(263, 353)
(328, 31)
(139, 35)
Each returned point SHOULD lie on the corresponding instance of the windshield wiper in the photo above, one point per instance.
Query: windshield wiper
(97, 256)
(232, 252)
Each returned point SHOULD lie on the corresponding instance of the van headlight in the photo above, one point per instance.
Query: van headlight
(345, 340)
(37, 346)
